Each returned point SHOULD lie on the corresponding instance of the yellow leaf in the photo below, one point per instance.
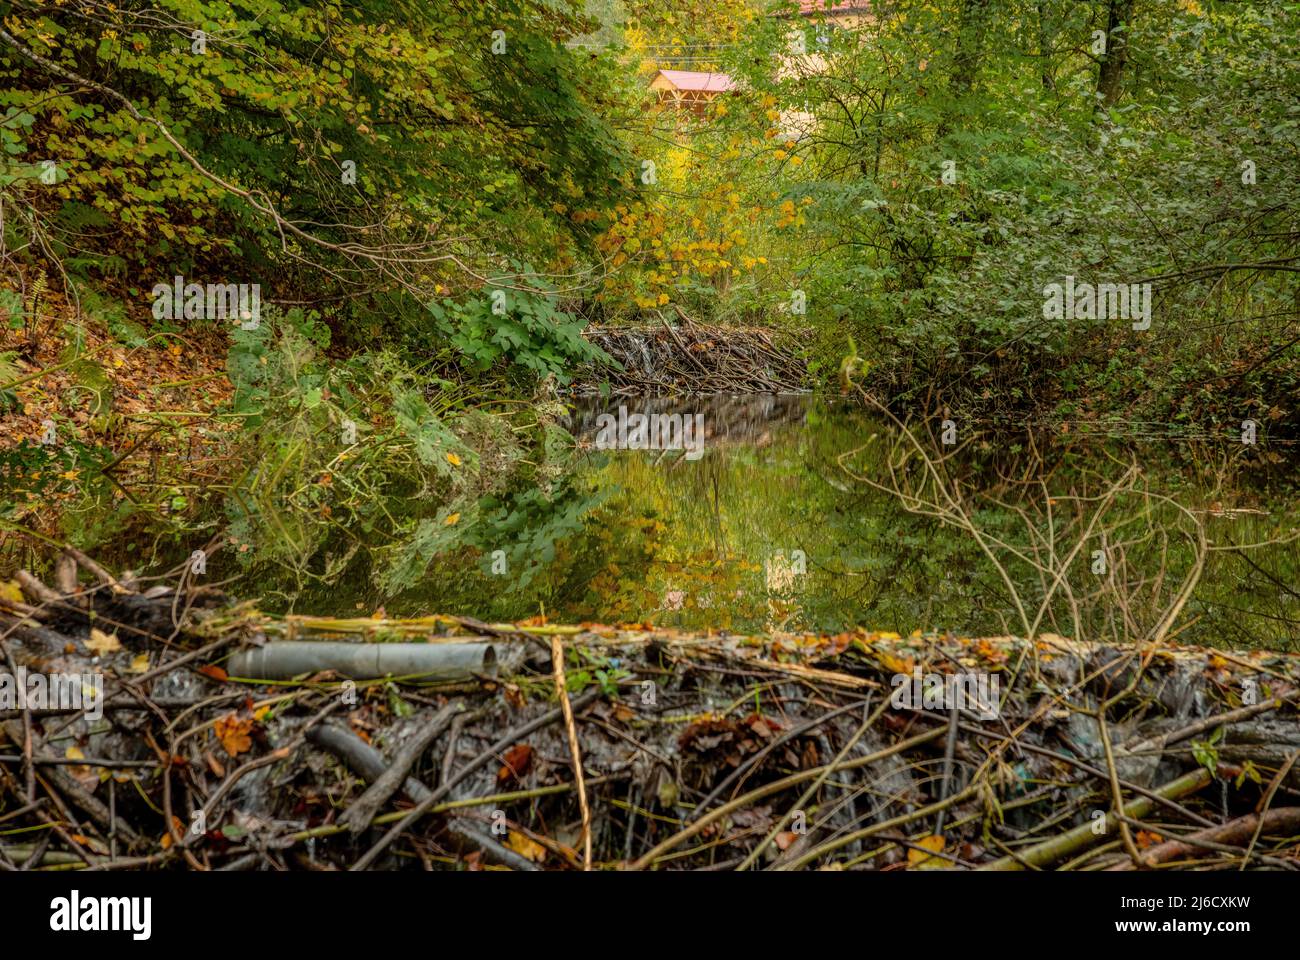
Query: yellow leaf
(451, 520)
(101, 643)
(140, 664)
(526, 847)
(923, 861)
(10, 592)
(896, 664)
(74, 753)
(453, 459)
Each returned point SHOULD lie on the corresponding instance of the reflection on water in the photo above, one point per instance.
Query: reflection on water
(768, 529)
(750, 418)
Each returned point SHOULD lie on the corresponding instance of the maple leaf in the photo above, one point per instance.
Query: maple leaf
(233, 732)
(101, 643)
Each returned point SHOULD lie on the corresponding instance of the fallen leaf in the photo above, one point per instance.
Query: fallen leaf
(451, 520)
(233, 733)
(895, 664)
(167, 837)
(93, 844)
(526, 847)
(81, 773)
(924, 861)
(101, 643)
(517, 762)
(215, 765)
(214, 672)
(453, 459)
(140, 664)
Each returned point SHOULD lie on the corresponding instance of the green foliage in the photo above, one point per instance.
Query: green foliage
(529, 330)
(282, 104)
(354, 469)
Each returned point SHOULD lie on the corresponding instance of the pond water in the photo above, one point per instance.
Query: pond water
(774, 521)
(781, 524)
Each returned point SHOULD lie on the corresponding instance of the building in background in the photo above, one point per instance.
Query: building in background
(690, 89)
(809, 42)
(810, 39)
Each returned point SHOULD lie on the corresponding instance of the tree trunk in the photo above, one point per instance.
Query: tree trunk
(1045, 35)
(972, 27)
(1119, 13)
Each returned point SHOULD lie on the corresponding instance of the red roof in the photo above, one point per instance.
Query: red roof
(699, 82)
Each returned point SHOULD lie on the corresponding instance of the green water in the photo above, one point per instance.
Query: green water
(770, 528)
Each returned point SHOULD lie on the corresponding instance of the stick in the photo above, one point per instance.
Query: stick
(561, 691)
(1282, 820)
(1050, 850)
(776, 787)
(421, 808)
(359, 815)
(369, 763)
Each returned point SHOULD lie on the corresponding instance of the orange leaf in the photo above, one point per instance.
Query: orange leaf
(1145, 838)
(214, 672)
(518, 759)
(233, 733)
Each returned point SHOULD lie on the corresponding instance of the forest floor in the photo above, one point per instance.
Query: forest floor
(144, 408)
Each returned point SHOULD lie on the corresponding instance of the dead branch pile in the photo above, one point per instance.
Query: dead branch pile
(572, 747)
(697, 359)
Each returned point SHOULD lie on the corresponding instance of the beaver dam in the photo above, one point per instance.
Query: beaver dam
(157, 723)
